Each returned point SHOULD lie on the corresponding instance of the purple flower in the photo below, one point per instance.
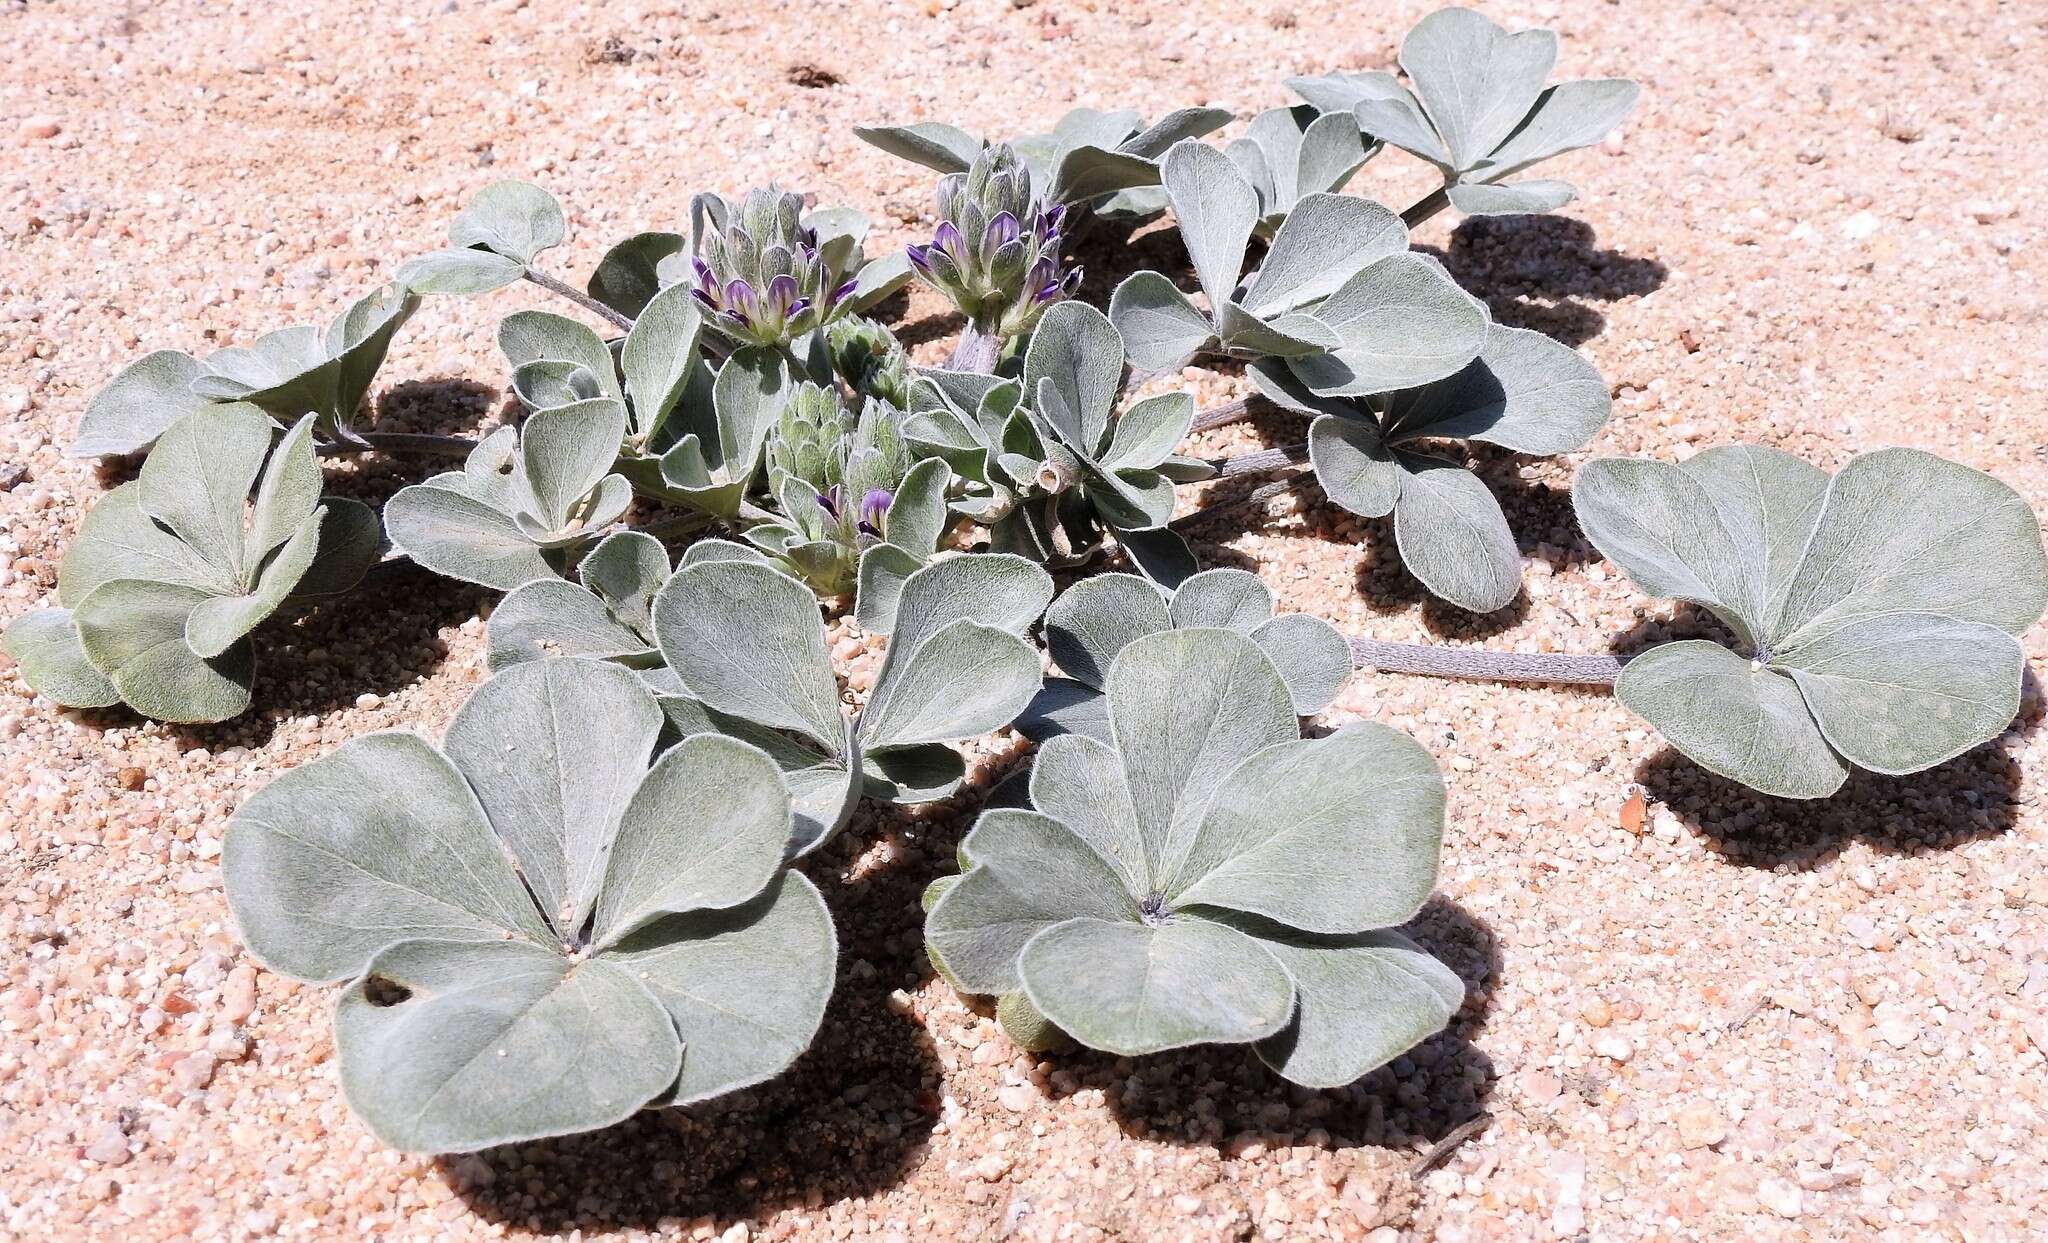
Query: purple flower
(948, 239)
(1000, 230)
(828, 501)
(840, 294)
(873, 507)
(739, 298)
(781, 296)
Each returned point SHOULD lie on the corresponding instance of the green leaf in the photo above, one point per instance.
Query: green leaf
(1132, 989)
(142, 400)
(1029, 874)
(1079, 781)
(1453, 535)
(554, 749)
(1566, 117)
(1354, 465)
(1313, 658)
(1215, 209)
(746, 639)
(566, 454)
(1401, 322)
(197, 480)
(1327, 240)
(453, 534)
(1732, 717)
(1097, 618)
(937, 146)
(1077, 351)
(45, 644)
(1148, 433)
(463, 273)
(964, 679)
(914, 774)
(719, 857)
(1476, 80)
(1361, 1001)
(1160, 327)
(510, 218)
(549, 617)
(629, 275)
(217, 623)
(134, 632)
(118, 540)
(1158, 138)
(1334, 834)
(498, 1043)
(657, 357)
(1523, 198)
(745, 987)
(1187, 706)
(1230, 599)
(1901, 692)
(1524, 392)
(377, 842)
(531, 336)
(884, 569)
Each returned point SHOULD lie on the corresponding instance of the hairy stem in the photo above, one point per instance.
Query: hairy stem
(1482, 665)
(1261, 462)
(1227, 413)
(1424, 208)
(402, 442)
(577, 296)
(976, 350)
(1264, 492)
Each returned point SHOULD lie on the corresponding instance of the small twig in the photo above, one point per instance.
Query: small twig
(1227, 413)
(1261, 462)
(1443, 1148)
(1264, 492)
(402, 442)
(580, 298)
(1424, 208)
(975, 351)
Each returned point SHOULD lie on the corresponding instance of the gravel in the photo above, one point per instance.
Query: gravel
(1694, 1013)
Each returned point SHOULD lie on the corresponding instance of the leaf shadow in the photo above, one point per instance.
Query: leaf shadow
(1539, 272)
(1110, 248)
(1972, 797)
(849, 1120)
(1204, 1095)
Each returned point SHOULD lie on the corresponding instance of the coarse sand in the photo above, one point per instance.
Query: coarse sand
(1707, 1015)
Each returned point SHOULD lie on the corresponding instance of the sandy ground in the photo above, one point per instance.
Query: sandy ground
(1728, 1018)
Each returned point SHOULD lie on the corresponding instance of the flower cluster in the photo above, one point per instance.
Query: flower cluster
(996, 252)
(761, 273)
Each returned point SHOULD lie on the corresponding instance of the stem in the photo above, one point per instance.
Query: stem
(577, 296)
(1227, 413)
(403, 442)
(1423, 209)
(976, 351)
(1261, 462)
(1264, 492)
(1481, 664)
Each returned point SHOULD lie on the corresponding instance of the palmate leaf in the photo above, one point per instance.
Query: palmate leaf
(1880, 607)
(491, 242)
(681, 962)
(1098, 617)
(1108, 157)
(1203, 874)
(171, 572)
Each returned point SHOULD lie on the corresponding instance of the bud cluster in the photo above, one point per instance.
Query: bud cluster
(761, 274)
(996, 252)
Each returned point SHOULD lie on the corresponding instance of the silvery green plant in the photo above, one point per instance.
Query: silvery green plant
(526, 502)
(169, 573)
(557, 361)
(745, 649)
(492, 242)
(606, 614)
(996, 252)
(1098, 617)
(1876, 610)
(1338, 294)
(1476, 106)
(1108, 158)
(537, 931)
(1289, 153)
(869, 359)
(837, 477)
(767, 274)
(287, 374)
(1209, 876)
(1525, 392)
(1051, 468)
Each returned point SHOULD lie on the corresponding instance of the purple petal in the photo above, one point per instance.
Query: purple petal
(873, 505)
(948, 239)
(1000, 230)
(1050, 218)
(708, 301)
(781, 296)
(840, 294)
(705, 278)
(829, 501)
(1072, 281)
(740, 297)
(918, 260)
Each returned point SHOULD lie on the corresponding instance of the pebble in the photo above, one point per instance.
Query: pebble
(1700, 1125)
(1861, 225)
(1614, 1048)
(111, 1148)
(1016, 1098)
(1781, 1197)
(36, 129)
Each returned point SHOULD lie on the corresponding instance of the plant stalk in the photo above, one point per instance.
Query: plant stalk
(1259, 463)
(419, 443)
(1227, 413)
(1424, 208)
(580, 298)
(1480, 664)
(975, 351)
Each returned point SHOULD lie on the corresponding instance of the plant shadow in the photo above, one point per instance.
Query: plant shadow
(1110, 248)
(1539, 272)
(848, 1120)
(1204, 1095)
(1970, 798)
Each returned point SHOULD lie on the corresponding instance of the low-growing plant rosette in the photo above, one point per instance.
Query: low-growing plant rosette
(537, 931)
(1208, 876)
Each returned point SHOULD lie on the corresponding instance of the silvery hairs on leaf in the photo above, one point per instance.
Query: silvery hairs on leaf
(1100, 616)
(536, 932)
(745, 644)
(171, 572)
(1525, 392)
(524, 502)
(1289, 153)
(1878, 609)
(1111, 158)
(1476, 107)
(286, 373)
(1209, 876)
(607, 614)
(1338, 291)
(491, 243)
